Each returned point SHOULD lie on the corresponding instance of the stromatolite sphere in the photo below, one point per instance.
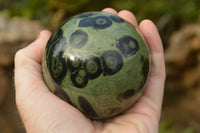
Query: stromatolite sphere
(98, 63)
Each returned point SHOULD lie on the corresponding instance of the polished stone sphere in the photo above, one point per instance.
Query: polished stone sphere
(98, 63)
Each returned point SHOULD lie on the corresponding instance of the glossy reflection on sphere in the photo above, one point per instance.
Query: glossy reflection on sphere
(98, 63)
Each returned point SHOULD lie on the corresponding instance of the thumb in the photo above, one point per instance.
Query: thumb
(35, 50)
(29, 84)
(27, 64)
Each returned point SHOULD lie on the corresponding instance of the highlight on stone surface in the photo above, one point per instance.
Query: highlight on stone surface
(98, 63)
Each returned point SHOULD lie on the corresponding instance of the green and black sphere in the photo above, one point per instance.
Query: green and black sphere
(98, 63)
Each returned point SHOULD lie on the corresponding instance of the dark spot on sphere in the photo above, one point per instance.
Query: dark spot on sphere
(62, 94)
(145, 66)
(84, 15)
(78, 39)
(86, 106)
(145, 70)
(55, 61)
(53, 40)
(55, 36)
(115, 110)
(79, 78)
(128, 46)
(74, 63)
(128, 94)
(57, 67)
(101, 22)
(87, 22)
(112, 62)
(93, 67)
(116, 19)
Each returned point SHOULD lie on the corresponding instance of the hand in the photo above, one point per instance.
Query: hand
(43, 112)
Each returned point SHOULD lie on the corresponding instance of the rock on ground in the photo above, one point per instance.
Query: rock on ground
(15, 33)
(182, 97)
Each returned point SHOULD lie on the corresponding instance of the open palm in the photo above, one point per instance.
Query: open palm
(43, 112)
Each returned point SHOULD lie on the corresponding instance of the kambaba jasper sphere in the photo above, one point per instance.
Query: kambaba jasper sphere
(98, 63)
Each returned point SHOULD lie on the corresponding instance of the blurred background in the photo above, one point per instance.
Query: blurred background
(178, 22)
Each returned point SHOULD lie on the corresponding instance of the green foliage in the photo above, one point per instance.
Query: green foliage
(167, 126)
(187, 11)
(179, 10)
(53, 12)
(32, 9)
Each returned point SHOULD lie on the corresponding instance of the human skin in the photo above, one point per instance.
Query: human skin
(43, 112)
